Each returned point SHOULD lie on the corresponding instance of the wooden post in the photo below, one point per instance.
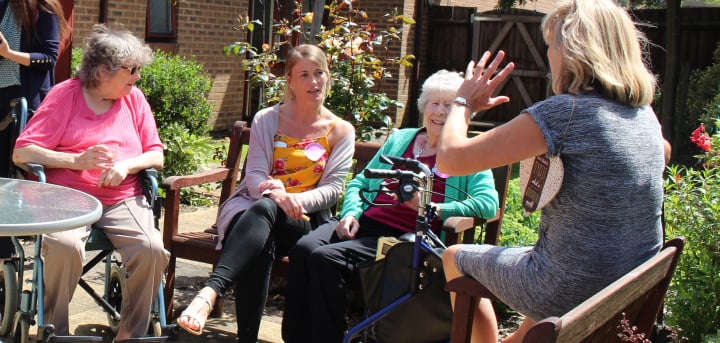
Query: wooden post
(62, 68)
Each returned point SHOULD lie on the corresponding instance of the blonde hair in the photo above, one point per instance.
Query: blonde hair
(441, 83)
(305, 52)
(602, 50)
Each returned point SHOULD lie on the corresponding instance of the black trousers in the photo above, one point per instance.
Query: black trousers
(258, 235)
(321, 264)
(6, 137)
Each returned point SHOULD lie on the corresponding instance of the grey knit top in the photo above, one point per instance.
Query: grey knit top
(605, 220)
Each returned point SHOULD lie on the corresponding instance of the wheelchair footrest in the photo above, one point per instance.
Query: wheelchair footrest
(46, 333)
(143, 340)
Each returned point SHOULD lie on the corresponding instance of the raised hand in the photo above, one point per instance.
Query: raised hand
(481, 81)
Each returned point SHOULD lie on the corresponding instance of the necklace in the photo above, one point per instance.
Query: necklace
(434, 169)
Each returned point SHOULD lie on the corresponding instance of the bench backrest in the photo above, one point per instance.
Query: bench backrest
(639, 295)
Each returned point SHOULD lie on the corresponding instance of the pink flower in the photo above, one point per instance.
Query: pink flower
(700, 138)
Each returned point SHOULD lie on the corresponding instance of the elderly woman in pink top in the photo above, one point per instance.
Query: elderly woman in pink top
(95, 133)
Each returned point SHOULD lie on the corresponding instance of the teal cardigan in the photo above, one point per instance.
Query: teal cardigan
(483, 200)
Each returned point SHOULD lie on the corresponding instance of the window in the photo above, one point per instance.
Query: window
(161, 22)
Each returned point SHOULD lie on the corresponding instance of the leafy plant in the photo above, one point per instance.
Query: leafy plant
(518, 229)
(177, 90)
(692, 205)
(351, 45)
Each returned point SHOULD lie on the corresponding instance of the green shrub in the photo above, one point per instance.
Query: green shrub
(177, 90)
(692, 209)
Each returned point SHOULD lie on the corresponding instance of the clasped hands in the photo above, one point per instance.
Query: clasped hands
(102, 157)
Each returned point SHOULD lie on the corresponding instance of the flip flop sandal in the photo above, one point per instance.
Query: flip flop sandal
(194, 315)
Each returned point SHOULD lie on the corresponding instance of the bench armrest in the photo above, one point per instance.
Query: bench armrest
(176, 183)
(461, 230)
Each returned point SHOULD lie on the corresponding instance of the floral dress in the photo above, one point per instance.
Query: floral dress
(299, 162)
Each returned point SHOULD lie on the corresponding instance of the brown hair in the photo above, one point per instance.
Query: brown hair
(26, 11)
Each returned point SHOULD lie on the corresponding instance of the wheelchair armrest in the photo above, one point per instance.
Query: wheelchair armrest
(149, 179)
(37, 169)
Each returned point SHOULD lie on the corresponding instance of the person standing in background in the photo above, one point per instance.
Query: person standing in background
(30, 35)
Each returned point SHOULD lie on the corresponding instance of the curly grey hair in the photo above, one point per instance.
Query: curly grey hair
(111, 49)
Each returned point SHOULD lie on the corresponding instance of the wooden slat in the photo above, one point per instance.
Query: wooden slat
(606, 304)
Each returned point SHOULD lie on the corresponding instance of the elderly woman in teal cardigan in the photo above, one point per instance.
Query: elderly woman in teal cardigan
(322, 261)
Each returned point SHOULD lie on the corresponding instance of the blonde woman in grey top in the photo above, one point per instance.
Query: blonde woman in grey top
(605, 219)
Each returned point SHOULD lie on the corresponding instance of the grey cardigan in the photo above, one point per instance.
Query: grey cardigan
(259, 165)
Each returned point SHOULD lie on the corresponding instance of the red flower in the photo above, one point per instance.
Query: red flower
(280, 164)
(700, 138)
(319, 168)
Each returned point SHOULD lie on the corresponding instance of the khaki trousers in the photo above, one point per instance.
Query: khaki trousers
(129, 226)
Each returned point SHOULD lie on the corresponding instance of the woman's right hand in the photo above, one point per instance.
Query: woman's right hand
(4, 47)
(347, 228)
(288, 203)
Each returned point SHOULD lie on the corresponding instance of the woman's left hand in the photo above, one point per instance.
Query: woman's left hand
(113, 175)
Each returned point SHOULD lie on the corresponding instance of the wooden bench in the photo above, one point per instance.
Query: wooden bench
(638, 295)
(200, 246)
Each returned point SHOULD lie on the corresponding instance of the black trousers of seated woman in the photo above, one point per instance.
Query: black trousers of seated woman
(321, 267)
(257, 235)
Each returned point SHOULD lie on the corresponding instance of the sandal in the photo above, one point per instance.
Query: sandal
(194, 313)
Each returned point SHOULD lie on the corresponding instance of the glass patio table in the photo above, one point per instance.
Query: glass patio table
(29, 208)
(33, 208)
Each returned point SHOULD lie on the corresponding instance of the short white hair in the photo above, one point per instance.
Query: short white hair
(442, 82)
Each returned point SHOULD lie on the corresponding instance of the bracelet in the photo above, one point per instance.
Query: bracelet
(463, 102)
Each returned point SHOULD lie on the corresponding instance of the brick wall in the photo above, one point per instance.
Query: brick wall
(204, 28)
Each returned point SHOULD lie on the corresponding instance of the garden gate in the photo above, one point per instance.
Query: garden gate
(457, 35)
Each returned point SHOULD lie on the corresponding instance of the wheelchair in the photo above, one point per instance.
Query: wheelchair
(20, 308)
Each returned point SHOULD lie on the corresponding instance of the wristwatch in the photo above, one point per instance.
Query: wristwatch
(463, 102)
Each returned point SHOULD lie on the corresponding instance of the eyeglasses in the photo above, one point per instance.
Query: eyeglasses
(132, 70)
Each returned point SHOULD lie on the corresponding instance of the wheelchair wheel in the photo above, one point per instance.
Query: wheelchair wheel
(155, 329)
(22, 330)
(8, 297)
(114, 296)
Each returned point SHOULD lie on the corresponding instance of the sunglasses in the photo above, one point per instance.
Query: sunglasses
(132, 70)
